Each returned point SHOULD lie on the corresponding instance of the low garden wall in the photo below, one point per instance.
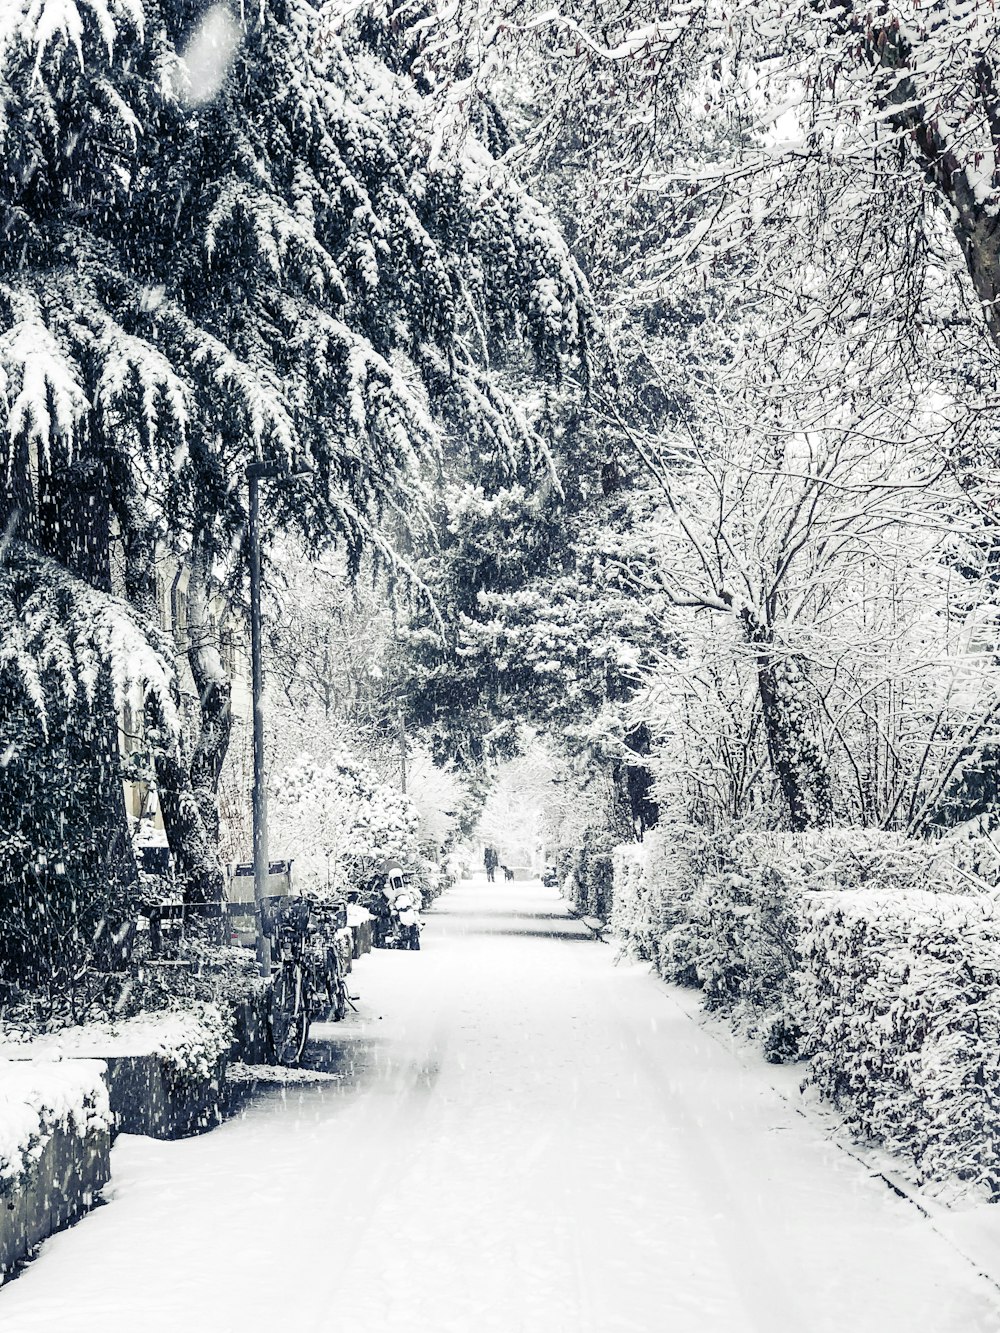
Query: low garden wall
(250, 1013)
(55, 1142)
(64, 1095)
(164, 1071)
(360, 923)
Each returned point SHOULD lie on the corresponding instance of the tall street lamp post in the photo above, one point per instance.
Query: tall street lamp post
(257, 472)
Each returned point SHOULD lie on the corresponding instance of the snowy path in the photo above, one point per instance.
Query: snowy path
(526, 1139)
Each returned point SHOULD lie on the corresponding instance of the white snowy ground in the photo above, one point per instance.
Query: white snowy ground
(526, 1139)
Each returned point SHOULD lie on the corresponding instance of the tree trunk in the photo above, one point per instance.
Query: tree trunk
(214, 688)
(797, 755)
(195, 853)
(645, 810)
(621, 816)
(188, 786)
(184, 805)
(973, 218)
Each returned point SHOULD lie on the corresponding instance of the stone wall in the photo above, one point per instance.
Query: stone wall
(55, 1143)
(150, 1097)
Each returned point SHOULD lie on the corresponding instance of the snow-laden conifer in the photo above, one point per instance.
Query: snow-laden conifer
(283, 268)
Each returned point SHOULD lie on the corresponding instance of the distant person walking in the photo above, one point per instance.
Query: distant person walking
(491, 861)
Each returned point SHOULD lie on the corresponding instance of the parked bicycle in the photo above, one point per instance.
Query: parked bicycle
(309, 981)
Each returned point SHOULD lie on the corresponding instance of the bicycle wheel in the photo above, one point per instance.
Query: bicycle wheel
(334, 987)
(339, 999)
(302, 1003)
(289, 1014)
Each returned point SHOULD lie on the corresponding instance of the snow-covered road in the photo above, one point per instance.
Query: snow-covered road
(525, 1139)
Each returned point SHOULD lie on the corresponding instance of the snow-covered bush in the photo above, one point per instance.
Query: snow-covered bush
(898, 1002)
(339, 824)
(191, 1042)
(972, 854)
(725, 912)
(655, 881)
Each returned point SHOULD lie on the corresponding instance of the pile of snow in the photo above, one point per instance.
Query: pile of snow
(190, 1042)
(278, 1074)
(39, 1097)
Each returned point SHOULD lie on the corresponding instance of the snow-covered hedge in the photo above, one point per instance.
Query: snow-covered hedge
(744, 948)
(654, 883)
(588, 881)
(898, 1004)
(635, 918)
(874, 957)
(724, 912)
(753, 900)
(39, 1097)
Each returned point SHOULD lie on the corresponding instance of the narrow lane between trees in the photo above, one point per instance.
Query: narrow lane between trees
(522, 1138)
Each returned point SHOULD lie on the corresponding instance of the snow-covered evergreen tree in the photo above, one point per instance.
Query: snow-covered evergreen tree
(233, 236)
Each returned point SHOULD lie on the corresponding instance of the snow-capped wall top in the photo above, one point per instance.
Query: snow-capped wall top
(191, 1041)
(38, 1097)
